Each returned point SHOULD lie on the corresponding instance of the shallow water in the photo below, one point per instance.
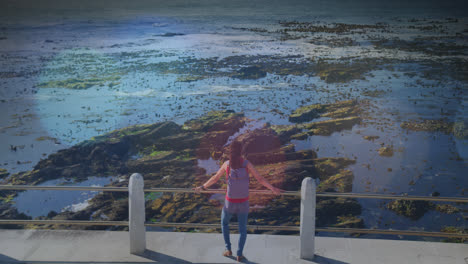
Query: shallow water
(39, 203)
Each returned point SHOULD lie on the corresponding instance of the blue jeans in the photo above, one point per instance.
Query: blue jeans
(225, 218)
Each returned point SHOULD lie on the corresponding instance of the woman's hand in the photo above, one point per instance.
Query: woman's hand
(199, 189)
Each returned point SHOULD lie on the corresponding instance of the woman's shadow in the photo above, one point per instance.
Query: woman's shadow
(163, 258)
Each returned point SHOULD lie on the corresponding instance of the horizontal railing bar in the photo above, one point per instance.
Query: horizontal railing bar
(125, 189)
(183, 190)
(63, 222)
(262, 192)
(255, 227)
(196, 225)
(391, 232)
(393, 197)
(64, 188)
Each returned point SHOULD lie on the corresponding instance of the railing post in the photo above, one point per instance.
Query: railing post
(136, 214)
(307, 229)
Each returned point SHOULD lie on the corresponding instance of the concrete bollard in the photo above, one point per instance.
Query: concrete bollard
(307, 230)
(136, 214)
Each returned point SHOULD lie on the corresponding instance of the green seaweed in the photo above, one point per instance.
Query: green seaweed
(80, 84)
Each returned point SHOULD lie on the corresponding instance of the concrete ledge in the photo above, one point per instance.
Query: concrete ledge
(64, 246)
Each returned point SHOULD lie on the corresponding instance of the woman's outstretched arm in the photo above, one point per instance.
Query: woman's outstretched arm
(213, 179)
(262, 180)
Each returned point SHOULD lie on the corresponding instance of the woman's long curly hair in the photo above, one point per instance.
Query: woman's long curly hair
(235, 156)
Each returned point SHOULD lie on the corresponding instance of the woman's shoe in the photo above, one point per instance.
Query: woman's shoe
(240, 258)
(227, 253)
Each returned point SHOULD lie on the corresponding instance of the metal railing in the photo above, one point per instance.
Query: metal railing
(307, 227)
(261, 192)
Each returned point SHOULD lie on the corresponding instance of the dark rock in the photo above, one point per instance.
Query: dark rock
(326, 128)
(447, 209)
(460, 129)
(52, 214)
(285, 132)
(327, 167)
(341, 109)
(456, 230)
(9, 212)
(216, 121)
(170, 34)
(3, 173)
(371, 138)
(342, 182)
(386, 151)
(441, 125)
(307, 113)
(349, 222)
(259, 141)
(251, 72)
(328, 210)
(409, 208)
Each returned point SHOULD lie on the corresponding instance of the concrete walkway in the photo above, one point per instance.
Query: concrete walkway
(62, 246)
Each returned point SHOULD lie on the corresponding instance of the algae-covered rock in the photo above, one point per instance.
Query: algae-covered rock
(110, 154)
(386, 151)
(371, 138)
(431, 125)
(349, 221)
(340, 73)
(327, 167)
(213, 121)
(339, 109)
(342, 109)
(300, 136)
(285, 132)
(3, 173)
(447, 209)
(9, 212)
(272, 156)
(307, 113)
(259, 140)
(409, 208)
(455, 230)
(250, 72)
(328, 210)
(341, 182)
(460, 129)
(327, 127)
(189, 78)
(214, 129)
(167, 154)
(81, 84)
(279, 155)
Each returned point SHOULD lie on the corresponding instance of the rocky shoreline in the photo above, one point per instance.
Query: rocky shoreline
(166, 155)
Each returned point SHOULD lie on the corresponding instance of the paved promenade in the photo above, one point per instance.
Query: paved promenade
(62, 246)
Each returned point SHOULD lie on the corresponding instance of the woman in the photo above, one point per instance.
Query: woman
(237, 196)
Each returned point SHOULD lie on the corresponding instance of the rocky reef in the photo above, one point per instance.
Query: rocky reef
(167, 155)
(416, 209)
(411, 209)
(458, 129)
(342, 115)
(341, 109)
